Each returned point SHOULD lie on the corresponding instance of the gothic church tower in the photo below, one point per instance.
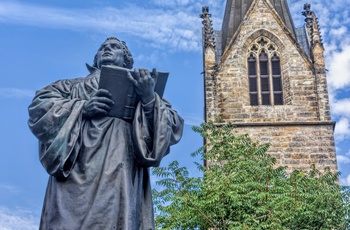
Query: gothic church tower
(269, 79)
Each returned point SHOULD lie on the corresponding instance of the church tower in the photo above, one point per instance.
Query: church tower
(269, 79)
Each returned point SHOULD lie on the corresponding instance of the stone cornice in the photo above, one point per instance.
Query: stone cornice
(294, 123)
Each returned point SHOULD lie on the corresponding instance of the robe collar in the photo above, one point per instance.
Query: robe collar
(91, 68)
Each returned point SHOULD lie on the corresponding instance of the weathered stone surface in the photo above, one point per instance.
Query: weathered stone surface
(295, 146)
(300, 130)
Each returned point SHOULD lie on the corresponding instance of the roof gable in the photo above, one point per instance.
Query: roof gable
(236, 11)
(262, 20)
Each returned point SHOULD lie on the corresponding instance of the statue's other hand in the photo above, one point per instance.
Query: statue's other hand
(98, 105)
(144, 84)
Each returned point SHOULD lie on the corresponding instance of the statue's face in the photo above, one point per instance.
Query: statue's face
(110, 53)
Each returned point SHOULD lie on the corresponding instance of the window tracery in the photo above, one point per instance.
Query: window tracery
(264, 73)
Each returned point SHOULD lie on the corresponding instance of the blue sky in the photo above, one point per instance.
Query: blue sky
(43, 41)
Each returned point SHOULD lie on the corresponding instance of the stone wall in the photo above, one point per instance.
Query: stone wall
(296, 145)
(300, 130)
(299, 83)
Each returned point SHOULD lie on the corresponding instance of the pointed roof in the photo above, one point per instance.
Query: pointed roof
(237, 9)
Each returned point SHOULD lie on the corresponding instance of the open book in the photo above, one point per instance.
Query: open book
(116, 81)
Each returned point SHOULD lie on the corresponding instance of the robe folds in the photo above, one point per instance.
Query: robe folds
(99, 176)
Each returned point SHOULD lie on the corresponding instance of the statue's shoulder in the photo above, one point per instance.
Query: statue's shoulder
(68, 82)
(77, 80)
(93, 74)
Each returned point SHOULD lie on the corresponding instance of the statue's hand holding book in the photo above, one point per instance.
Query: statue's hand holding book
(124, 90)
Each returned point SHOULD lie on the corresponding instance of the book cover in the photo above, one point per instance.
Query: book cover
(116, 81)
(160, 83)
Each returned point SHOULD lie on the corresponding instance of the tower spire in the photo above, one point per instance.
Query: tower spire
(237, 9)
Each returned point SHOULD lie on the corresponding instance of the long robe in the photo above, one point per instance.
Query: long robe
(99, 176)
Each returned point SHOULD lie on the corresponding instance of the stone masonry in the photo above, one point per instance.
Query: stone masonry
(300, 131)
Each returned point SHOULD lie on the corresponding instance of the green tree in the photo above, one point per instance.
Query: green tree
(242, 189)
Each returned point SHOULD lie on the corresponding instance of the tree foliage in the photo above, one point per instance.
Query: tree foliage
(242, 189)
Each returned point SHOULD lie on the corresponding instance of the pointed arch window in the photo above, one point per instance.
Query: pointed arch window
(253, 84)
(264, 78)
(276, 80)
(264, 74)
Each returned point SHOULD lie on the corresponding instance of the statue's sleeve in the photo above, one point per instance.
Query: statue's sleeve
(152, 140)
(55, 119)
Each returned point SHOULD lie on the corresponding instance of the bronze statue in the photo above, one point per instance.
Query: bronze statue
(98, 165)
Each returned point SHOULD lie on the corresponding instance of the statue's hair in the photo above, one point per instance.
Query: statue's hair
(128, 60)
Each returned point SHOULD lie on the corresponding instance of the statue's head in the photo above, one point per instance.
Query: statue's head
(113, 52)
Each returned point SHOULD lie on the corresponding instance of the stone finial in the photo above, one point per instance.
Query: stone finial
(312, 26)
(307, 6)
(205, 10)
(208, 35)
(308, 15)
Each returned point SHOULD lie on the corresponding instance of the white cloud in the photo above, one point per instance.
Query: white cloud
(17, 219)
(343, 159)
(15, 93)
(345, 181)
(9, 188)
(174, 28)
(192, 119)
(338, 31)
(332, 18)
(172, 2)
(341, 107)
(342, 129)
(339, 69)
(152, 58)
(348, 153)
